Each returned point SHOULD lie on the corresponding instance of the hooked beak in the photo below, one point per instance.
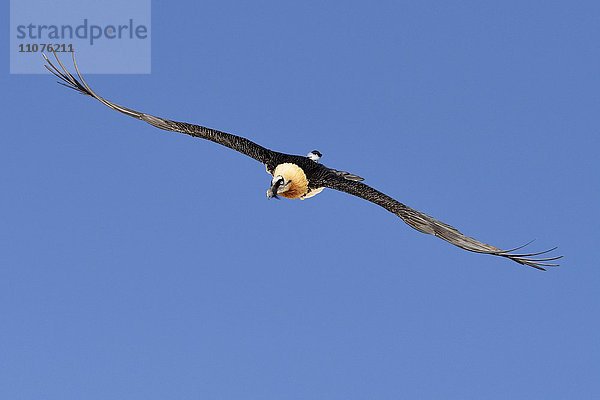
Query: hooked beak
(271, 195)
(272, 192)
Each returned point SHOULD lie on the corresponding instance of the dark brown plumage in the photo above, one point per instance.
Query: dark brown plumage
(301, 177)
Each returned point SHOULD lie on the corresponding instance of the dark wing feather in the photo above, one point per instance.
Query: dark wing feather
(426, 224)
(234, 142)
(347, 175)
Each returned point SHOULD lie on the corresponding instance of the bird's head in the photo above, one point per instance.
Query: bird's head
(288, 181)
(278, 186)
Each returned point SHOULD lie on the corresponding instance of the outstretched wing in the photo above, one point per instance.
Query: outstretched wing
(426, 224)
(234, 142)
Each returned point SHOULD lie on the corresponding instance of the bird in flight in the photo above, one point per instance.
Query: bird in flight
(302, 177)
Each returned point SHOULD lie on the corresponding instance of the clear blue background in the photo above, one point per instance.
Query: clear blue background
(140, 264)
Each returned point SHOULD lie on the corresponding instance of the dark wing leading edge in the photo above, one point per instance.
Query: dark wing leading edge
(234, 142)
(426, 224)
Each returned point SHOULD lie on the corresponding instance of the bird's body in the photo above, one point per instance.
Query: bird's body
(296, 175)
(301, 177)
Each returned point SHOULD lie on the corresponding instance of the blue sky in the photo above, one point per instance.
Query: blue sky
(140, 264)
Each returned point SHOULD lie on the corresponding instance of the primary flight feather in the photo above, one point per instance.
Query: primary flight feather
(301, 177)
